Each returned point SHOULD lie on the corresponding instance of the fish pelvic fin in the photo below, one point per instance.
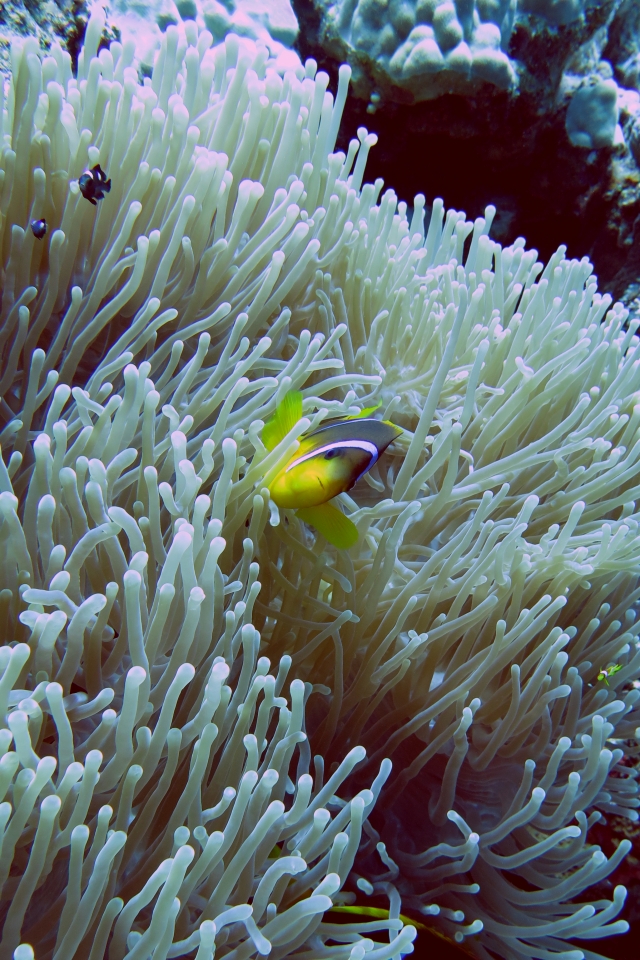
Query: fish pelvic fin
(331, 523)
(287, 414)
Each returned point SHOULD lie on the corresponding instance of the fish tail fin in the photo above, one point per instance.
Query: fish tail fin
(332, 524)
(287, 414)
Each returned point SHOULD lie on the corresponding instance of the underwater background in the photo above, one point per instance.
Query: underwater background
(180, 650)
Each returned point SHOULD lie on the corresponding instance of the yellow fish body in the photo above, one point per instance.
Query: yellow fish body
(328, 462)
(331, 460)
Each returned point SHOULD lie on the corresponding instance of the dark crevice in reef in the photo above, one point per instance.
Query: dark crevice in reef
(73, 37)
(48, 20)
(543, 188)
(495, 148)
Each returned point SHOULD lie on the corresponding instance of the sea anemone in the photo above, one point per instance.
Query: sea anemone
(150, 583)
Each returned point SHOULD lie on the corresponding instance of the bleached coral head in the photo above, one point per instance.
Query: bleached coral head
(426, 47)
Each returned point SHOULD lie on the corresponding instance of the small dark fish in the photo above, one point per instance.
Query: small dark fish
(94, 184)
(39, 228)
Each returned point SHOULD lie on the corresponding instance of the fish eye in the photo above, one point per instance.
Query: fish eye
(331, 454)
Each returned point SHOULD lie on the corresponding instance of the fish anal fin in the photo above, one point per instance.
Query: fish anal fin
(332, 524)
(287, 414)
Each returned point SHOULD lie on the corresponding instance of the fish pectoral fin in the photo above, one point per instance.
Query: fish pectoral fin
(287, 414)
(331, 523)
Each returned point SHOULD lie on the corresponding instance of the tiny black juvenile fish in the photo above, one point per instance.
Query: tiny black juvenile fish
(39, 228)
(93, 184)
(328, 462)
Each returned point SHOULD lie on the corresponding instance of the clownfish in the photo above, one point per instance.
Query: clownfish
(39, 228)
(94, 184)
(329, 461)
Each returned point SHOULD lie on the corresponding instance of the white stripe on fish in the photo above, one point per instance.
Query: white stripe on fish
(364, 445)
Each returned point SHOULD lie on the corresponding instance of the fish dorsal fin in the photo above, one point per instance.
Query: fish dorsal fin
(378, 912)
(287, 414)
(365, 413)
(332, 524)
